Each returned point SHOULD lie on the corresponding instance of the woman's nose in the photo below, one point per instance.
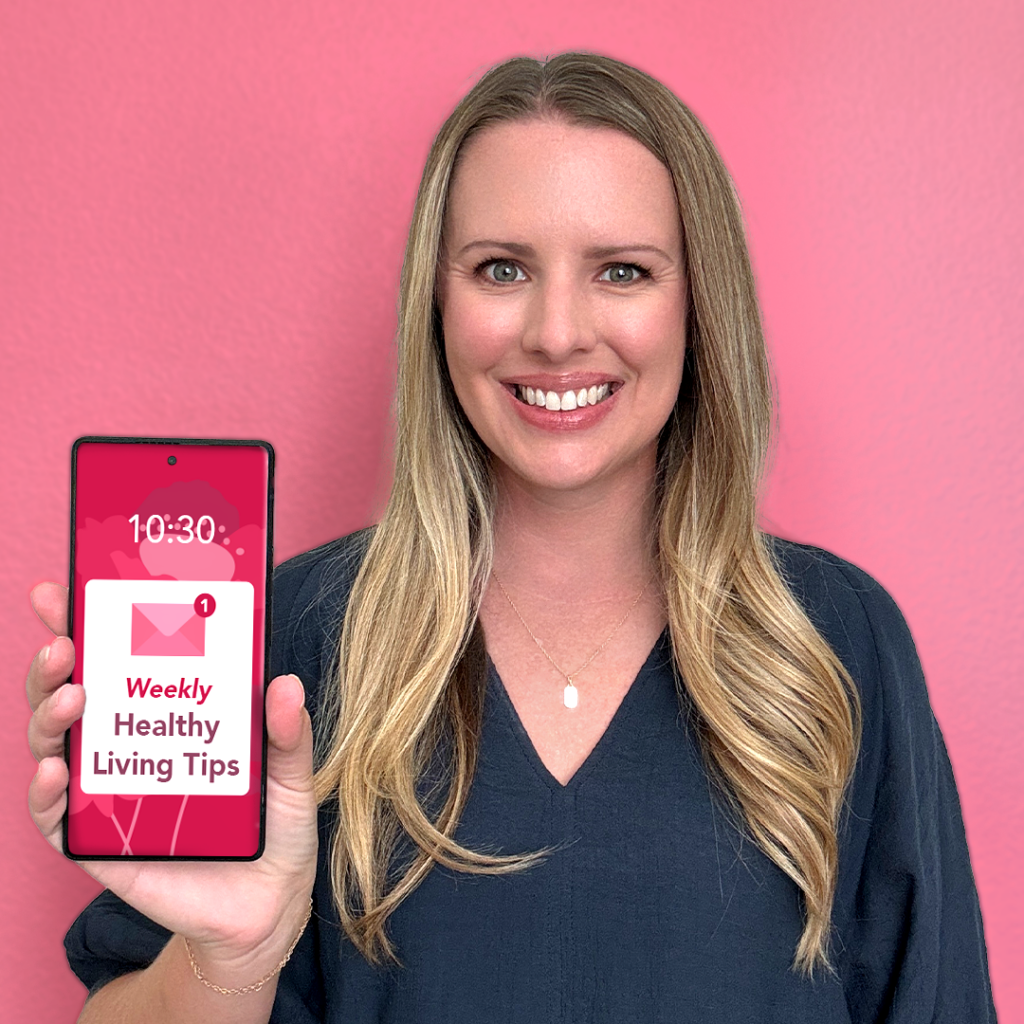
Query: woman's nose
(559, 320)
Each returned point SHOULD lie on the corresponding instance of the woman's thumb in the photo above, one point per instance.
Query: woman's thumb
(290, 746)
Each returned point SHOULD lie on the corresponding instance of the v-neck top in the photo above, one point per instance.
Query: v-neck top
(498, 702)
(652, 905)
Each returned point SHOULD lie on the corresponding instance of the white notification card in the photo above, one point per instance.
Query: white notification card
(168, 686)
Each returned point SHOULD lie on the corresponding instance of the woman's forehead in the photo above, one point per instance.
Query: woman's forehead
(542, 176)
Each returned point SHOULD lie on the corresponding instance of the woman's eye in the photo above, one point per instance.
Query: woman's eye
(502, 271)
(624, 273)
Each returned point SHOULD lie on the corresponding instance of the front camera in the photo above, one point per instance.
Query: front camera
(171, 460)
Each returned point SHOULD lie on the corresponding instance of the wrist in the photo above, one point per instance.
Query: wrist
(233, 973)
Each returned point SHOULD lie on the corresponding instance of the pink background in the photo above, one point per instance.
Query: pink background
(202, 213)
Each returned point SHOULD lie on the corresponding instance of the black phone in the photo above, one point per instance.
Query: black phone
(169, 611)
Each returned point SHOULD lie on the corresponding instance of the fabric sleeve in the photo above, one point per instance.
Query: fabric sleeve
(110, 938)
(911, 945)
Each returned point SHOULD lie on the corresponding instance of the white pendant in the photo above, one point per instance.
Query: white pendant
(569, 696)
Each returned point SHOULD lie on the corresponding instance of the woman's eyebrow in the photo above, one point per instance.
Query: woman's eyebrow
(515, 248)
(604, 251)
(594, 253)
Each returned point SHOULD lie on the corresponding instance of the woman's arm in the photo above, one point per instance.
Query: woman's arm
(910, 943)
(240, 917)
(168, 991)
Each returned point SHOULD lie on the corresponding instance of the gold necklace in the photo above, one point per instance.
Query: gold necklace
(570, 695)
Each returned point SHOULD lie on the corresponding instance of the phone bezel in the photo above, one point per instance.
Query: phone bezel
(180, 442)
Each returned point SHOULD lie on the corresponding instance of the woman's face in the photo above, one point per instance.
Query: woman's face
(563, 299)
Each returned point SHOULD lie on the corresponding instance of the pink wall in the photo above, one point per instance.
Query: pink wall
(202, 212)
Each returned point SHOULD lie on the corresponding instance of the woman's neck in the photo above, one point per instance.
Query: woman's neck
(575, 574)
(593, 545)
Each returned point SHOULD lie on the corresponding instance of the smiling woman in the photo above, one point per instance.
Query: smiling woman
(591, 745)
(532, 302)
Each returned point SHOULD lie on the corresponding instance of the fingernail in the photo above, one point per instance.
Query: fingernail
(44, 655)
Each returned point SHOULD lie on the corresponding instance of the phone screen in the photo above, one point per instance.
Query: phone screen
(171, 555)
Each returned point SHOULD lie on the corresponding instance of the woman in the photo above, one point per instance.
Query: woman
(592, 746)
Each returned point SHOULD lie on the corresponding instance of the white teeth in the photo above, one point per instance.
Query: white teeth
(567, 402)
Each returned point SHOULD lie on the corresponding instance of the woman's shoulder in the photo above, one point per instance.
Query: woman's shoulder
(826, 584)
(322, 571)
(859, 619)
(310, 595)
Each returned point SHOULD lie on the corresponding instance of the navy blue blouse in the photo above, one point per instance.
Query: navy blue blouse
(654, 907)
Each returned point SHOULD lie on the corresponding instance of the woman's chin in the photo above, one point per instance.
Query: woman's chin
(576, 478)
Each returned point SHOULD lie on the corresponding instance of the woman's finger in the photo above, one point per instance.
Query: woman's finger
(290, 747)
(47, 798)
(291, 800)
(52, 718)
(50, 603)
(49, 670)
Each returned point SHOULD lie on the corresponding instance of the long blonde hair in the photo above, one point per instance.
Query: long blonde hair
(778, 713)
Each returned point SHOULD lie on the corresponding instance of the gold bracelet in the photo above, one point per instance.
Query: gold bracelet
(256, 985)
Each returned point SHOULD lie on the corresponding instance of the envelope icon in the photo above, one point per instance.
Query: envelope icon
(167, 629)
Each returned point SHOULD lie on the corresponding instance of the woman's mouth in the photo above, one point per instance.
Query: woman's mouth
(565, 401)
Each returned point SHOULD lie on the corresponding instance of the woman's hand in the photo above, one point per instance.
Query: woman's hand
(239, 916)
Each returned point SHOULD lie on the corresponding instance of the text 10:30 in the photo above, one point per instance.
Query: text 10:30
(155, 529)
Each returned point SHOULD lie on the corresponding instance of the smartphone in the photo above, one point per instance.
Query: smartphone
(171, 555)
